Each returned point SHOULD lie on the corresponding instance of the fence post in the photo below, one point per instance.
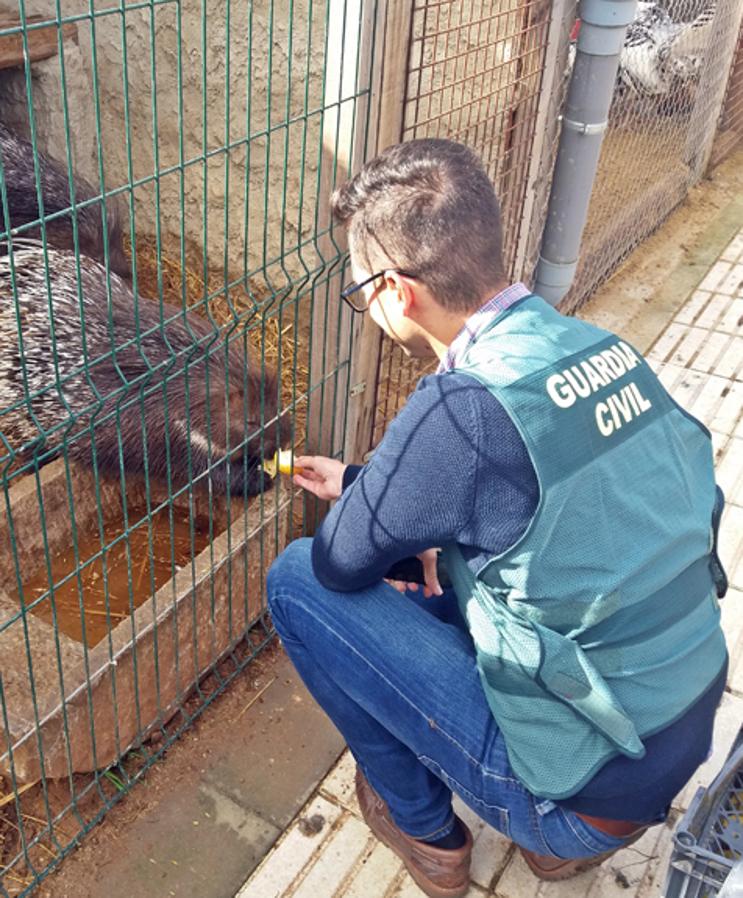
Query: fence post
(351, 35)
(718, 62)
(387, 111)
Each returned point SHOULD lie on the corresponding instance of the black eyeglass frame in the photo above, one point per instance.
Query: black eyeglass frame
(353, 287)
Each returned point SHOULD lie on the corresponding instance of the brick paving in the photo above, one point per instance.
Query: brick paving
(328, 852)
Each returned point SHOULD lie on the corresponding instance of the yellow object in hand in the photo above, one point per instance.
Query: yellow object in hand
(281, 463)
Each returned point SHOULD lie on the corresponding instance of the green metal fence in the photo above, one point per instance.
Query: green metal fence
(196, 144)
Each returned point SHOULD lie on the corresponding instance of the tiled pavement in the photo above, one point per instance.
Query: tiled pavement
(328, 852)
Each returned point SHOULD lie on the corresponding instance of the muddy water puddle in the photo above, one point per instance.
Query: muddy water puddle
(146, 558)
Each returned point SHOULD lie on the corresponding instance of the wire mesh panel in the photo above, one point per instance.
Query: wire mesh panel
(167, 320)
(476, 74)
(672, 74)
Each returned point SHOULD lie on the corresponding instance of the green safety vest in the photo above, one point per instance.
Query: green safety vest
(601, 625)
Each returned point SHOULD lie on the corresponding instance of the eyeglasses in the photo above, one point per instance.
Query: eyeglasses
(357, 301)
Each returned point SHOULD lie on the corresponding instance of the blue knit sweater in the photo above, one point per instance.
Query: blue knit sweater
(453, 467)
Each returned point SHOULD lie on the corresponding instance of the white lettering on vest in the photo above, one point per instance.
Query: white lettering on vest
(560, 392)
(602, 366)
(577, 381)
(615, 362)
(595, 380)
(629, 354)
(592, 374)
(606, 428)
(620, 408)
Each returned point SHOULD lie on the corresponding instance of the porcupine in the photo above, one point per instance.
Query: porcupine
(185, 415)
(23, 204)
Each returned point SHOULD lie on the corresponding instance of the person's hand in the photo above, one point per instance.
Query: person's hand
(320, 475)
(432, 586)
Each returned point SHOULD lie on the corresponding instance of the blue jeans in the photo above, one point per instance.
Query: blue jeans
(397, 675)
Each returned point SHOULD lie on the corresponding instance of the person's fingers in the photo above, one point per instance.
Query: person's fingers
(312, 486)
(396, 584)
(430, 574)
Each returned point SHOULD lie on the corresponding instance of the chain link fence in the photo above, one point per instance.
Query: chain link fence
(672, 75)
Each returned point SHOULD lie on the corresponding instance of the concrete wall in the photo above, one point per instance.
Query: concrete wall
(262, 78)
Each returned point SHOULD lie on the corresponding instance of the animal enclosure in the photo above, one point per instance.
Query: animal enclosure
(170, 314)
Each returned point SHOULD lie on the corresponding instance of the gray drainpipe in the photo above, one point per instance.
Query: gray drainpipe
(603, 27)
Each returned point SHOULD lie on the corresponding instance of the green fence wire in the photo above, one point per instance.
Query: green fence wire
(476, 74)
(196, 146)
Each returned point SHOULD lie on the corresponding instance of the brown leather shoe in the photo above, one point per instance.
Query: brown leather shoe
(555, 868)
(439, 872)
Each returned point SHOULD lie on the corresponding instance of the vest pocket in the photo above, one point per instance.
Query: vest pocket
(493, 814)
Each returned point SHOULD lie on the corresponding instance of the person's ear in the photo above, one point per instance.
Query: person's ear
(404, 289)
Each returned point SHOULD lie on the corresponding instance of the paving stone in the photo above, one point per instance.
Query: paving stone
(730, 360)
(715, 309)
(682, 383)
(197, 842)
(735, 681)
(408, 889)
(729, 470)
(622, 874)
(717, 403)
(286, 737)
(732, 320)
(664, 347)
(688, 348)
(657, 868)
(720, 354)
(475, 823)
(339, 783)
(290, 857)
(517, 881)
(719, 445)
(490, 854)
(335, 863)
(716, 275)
(732, 624)
(693, 307)
(375, 875)
(733, 282)
(727, 725)
(733, 249)
(730, 544)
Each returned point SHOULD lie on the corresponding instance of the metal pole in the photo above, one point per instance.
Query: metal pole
(600, 40)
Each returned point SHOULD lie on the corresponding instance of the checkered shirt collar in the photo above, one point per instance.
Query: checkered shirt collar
(478, 322)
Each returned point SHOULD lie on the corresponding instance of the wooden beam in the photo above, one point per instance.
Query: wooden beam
(387, 111)
(42, 42)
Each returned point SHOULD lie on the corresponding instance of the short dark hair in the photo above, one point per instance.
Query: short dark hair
(427, 207)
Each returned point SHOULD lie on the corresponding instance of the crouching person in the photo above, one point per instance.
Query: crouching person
(565, 683)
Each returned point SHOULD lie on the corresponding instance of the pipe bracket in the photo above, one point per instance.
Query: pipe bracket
(587, 128)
